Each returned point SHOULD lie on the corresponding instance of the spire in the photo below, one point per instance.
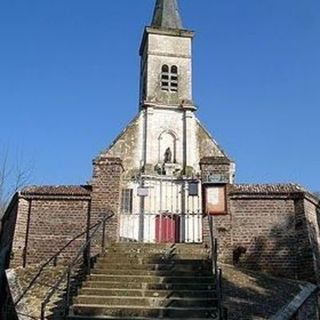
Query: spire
(166, 15)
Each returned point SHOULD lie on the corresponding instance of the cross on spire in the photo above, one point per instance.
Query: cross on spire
(166, 15)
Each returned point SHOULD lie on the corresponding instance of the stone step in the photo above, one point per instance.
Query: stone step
(144, 282)
(159, 273)
(140, 259)
(143, 311)
(160, 246)
(147, 293)
(150, 279)
(73, 317)
(148, 286)
(153, 259)
(184, 302)
(128, 245)
(194, 266)
(155, 249)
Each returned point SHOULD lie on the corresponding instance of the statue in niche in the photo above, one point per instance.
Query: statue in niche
(168, 156)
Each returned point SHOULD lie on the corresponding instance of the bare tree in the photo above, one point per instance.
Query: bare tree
(14, 175)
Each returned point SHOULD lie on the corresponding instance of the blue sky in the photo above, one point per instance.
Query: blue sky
(69, 82)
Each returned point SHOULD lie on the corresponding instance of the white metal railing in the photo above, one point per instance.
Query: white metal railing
(161, 227)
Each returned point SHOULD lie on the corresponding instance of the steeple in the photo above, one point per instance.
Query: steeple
(166, 15)
(166, 59)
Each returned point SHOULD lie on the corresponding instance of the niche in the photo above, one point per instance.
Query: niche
(167, 147)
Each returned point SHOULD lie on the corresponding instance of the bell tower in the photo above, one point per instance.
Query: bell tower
(166, 59)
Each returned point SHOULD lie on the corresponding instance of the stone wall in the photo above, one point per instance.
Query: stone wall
(128, 146)
(170, 47)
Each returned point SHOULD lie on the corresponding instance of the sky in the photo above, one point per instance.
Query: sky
(69, 77)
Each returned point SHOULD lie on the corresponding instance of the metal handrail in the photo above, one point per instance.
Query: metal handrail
(53, 259)
(217, 272)
(68, 272)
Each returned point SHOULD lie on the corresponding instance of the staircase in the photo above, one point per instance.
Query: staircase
(148, 281)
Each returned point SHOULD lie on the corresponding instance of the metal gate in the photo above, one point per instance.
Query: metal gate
(163, 209)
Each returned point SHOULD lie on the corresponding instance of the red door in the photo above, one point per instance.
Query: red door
(166, 229)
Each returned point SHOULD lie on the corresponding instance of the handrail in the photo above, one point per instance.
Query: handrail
(217, 272)
(68, 272)
(53, 258)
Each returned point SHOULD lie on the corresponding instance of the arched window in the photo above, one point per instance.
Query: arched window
(165, 77)
(165, 68)
(174, 79)
(174, 69)
(169, 78)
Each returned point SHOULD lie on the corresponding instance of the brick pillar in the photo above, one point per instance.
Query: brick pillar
(106, 191)
(218, 169)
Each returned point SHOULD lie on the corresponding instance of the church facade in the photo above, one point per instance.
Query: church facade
(163, 176)
(162, 147)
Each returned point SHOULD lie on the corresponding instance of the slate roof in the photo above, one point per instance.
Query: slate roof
(166, 15)
(62, 190)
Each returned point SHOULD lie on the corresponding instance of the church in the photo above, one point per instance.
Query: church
(167, 183)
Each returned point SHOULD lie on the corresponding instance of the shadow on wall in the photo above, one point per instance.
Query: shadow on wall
(286, 250)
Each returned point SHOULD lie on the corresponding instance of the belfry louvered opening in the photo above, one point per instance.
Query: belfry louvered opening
(169, 78)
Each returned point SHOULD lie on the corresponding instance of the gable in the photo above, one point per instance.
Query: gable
(207, 145)
(126, 145)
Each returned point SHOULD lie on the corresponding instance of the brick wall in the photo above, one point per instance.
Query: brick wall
(106, 185)
(305, 269)
(276, 232)
(222, 224)
(46, 218)
(222, 230)
(52, 224)
(20, 232)
(309, 239)
(7, 231)
(263, 233)
(46, 224)
(220, 166)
